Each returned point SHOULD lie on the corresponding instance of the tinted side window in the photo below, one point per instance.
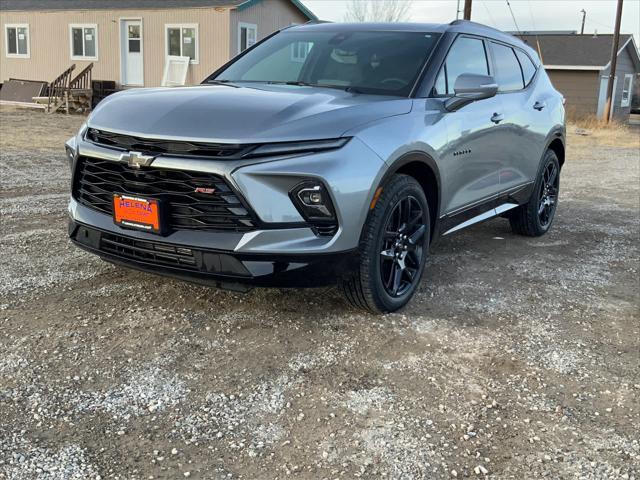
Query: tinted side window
(467, 55)
(508, 72)
(528, 68)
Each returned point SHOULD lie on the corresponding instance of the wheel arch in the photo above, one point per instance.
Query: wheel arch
(556, 143)
(424, 169)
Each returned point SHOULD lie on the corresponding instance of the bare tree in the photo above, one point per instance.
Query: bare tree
(378, 11)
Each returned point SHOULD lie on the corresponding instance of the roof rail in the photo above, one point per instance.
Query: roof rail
(313, 22)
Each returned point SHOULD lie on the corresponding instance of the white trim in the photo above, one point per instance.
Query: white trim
(95, 34)
(121, 20)
(629, 91)
(573, 67)
(635, 49)
(7, 26)
(248, 26)
(167, 26)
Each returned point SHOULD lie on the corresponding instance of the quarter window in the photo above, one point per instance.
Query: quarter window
(508, 72)
(528, 68)
(466, 56)
(182, 41)
(84, 44)
(17, 37)
(247, 36)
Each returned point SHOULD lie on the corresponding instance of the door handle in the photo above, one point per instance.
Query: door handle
(539, 105)
(497, 118)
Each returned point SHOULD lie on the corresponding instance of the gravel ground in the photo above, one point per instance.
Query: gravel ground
(518, 358)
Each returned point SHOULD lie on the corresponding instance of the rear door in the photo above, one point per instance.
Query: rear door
(471, 161)
(526, 120)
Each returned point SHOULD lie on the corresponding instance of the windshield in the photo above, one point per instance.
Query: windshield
(385, 63)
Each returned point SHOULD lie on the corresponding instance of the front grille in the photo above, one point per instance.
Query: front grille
(166, 147)
(96, 181)
(149, 252)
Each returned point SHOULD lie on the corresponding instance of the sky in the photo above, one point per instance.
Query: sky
(529, 14)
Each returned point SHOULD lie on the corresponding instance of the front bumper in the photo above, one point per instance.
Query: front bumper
(350, 175)
(206, 266)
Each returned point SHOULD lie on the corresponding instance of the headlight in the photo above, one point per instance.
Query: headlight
(287, 148)
(71, 149)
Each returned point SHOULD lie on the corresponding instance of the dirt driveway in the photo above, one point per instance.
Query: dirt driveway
(519, 358)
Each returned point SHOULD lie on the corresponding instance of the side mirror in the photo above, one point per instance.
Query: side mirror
(470, 87)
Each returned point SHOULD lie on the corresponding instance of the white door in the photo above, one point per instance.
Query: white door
(602, 97)
(132, 52)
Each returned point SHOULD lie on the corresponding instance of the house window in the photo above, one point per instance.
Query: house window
(300, 50)
(182, 41)
(626, 91)
(247, 36)
(84, 42)
(17, 37)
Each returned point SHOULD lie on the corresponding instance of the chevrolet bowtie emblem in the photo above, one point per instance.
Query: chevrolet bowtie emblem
(136, 159)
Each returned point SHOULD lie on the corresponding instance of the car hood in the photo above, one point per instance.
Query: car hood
(270, 113)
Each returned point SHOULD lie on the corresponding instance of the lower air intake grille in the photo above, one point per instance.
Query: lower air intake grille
(151, 252)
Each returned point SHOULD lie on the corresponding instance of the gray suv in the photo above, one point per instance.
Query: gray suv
(324, 153)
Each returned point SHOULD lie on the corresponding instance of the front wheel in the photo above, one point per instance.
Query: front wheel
(393, 249)
(535, 217)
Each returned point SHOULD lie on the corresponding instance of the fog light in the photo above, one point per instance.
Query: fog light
(311, 196)
(313, 201)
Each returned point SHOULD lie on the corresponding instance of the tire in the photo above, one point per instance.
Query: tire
(375, 286)
(534, 218)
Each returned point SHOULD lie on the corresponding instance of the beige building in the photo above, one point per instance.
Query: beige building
(128, 41)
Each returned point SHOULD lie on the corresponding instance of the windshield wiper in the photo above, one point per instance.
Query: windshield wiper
(346, 88)
(296, 83)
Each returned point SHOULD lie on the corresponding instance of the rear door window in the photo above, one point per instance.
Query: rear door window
(467, 55)
(528, 68)
(508, 73)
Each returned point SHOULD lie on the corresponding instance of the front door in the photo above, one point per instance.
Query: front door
(132, 56)
(472, 159)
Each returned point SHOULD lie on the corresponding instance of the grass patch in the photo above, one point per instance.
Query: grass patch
(593, 130)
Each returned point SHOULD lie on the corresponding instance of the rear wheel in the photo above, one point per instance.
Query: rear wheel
(534, 218)
(393, 249)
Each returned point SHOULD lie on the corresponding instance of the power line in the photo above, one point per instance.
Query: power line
(514, 17)
(489, 13)
(535, 29)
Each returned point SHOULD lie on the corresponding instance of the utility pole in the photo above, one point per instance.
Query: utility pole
(458, 11)
(614, 61)
(467, 9)
(584, 16)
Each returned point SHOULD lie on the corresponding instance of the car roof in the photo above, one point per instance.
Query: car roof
(457, 26)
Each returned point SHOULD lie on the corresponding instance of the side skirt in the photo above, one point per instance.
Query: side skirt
(484, 210)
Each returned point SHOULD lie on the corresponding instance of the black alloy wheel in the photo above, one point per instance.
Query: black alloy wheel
(535, 217)
(401, 255)
(393, 248)
(548, 194)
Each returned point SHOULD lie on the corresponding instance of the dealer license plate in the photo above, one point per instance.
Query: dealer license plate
(137, 212)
